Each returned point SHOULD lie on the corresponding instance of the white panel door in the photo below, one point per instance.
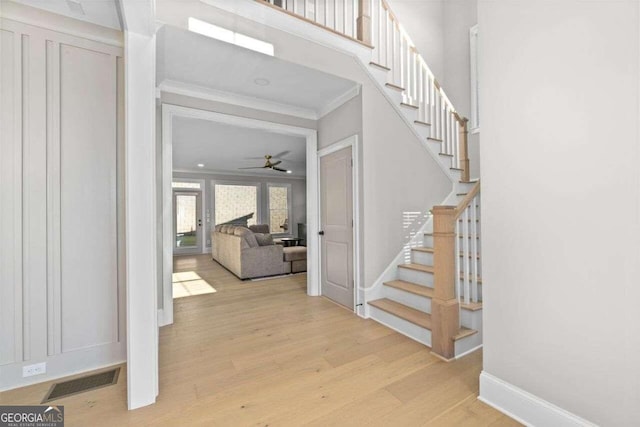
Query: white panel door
(336, 223)
(88, 197)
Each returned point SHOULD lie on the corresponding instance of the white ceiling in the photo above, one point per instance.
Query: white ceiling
(203, 62)
(224, 148)
(101, 12)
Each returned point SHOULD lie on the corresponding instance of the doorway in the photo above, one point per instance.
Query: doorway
(187, 222)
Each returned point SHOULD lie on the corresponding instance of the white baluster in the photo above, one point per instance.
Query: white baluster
(457, 260)
(474, 248)
(465, 255)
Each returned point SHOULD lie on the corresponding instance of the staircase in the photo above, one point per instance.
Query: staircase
(436, 297)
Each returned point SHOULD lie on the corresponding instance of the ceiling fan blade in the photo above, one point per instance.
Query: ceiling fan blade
(279, 170)
(279, 155)
(258, 167)
(276, 163)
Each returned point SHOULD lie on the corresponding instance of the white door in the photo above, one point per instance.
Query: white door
(336, 225)
(187, 222)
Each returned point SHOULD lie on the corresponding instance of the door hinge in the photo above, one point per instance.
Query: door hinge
(351, 162)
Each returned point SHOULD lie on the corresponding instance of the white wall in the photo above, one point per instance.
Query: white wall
(61, 259)
(561, 203)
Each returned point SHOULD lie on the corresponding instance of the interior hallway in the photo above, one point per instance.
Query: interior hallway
(263, 353)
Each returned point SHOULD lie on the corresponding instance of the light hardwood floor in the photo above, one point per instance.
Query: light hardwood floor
(264, 354)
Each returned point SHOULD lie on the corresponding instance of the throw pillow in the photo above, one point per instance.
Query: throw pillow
(264, 239)
(248, 236)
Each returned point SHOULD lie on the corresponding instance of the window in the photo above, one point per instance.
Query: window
(279, 202)
(475, 104)
(222, 34)
(187, 185)
(236, 203)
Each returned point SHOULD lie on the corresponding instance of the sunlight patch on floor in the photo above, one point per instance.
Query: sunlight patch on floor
(189, 283)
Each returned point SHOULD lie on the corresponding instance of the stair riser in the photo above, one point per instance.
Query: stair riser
(424, 258)
(446, 160)
(419, 277)
(379, 74)
(409, 329)
(471, 319)
(423, 130)
(464, 188)
(468, 343)
(395, 95)
(411, 300)
(410, 113)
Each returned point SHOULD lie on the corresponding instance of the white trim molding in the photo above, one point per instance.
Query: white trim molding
(200, 92)
(209, 94)
(523, 406)
(353, 142)
(170, 111)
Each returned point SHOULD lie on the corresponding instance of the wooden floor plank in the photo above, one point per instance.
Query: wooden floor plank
(256, 353)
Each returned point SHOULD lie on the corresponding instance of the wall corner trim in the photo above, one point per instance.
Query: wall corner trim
(523, 406)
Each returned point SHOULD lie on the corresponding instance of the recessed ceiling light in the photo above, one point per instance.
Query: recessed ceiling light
(289, 171)
(262, 81)
(200, 165)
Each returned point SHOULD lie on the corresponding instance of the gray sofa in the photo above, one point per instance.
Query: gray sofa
(238, 249)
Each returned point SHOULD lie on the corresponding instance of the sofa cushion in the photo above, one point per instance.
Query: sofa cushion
(295, 253)
(264, 239)
(218, 227)
(260, 228)
(248, 236)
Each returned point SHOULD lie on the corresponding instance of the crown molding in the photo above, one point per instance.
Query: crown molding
(195, 91)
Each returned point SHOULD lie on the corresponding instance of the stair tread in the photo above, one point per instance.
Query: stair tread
(472, 181)
(375, 64)
(456, 169)
(394, 86)
(445, 154)
(404, 104)
(460, 194)
(464, 332)
(423, 249)
(420, 122)
(472, 306)
(411, 287)
(417, 267)
(434, 139)
(409, 314)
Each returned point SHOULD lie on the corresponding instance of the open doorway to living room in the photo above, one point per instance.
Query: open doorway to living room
(239, 196)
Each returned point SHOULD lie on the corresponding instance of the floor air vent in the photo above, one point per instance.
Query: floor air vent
(82, 384)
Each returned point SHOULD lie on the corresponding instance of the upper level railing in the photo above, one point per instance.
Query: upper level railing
(373, 23)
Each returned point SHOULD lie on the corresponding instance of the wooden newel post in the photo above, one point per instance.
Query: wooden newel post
(445, 310)
(464, 149)
(364, 21)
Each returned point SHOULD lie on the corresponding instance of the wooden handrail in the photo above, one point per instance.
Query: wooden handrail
(467, 199)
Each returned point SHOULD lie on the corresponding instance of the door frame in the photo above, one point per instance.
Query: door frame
(200, 211)
(169, 112)
(353, 142)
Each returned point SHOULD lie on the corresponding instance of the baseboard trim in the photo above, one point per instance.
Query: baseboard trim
(523, 406)
(476, 348)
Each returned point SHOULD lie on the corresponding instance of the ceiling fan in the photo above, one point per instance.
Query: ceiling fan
(270, 165)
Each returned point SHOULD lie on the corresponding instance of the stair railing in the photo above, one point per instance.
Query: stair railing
(453, 278)
(373, 23)
(468, 247)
